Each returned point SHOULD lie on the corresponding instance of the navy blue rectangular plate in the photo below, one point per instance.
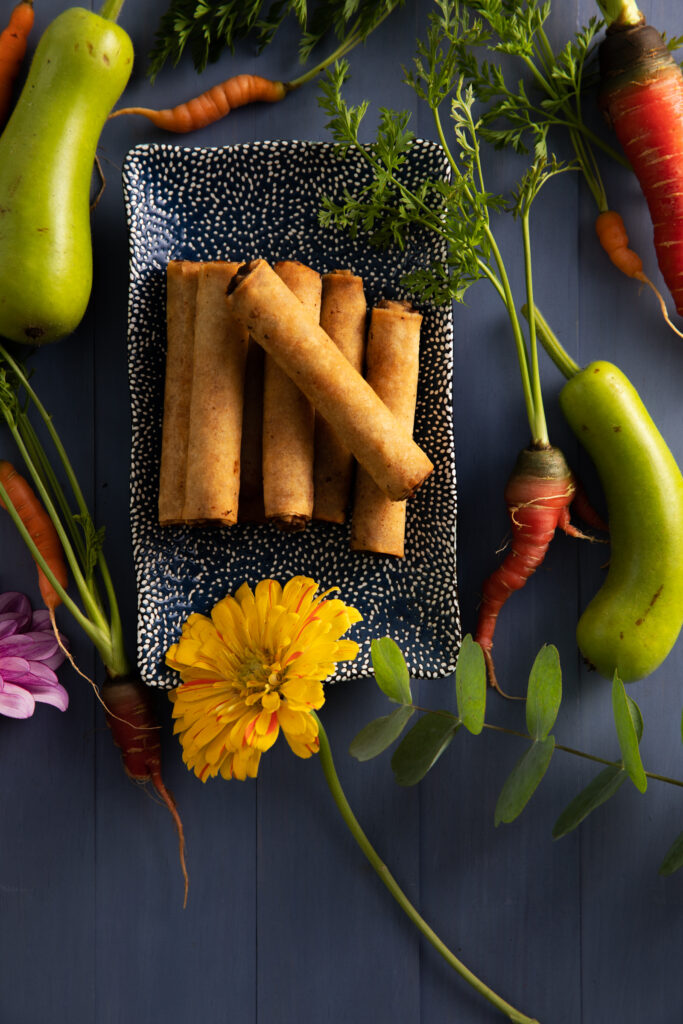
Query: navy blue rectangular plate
(262, 200)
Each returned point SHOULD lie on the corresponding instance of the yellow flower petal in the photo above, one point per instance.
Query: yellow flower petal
(253, 669)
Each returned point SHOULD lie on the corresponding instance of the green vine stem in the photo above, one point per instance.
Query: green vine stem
(558, 746)
(392, 885)
(111, 9)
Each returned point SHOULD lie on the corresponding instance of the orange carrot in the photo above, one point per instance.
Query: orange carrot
(538, 495)
(611, 232)
(40, 528)
(134, 729)
(214, 104)
(13, 40)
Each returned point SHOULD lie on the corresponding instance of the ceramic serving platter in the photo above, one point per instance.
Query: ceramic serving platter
(263, 200)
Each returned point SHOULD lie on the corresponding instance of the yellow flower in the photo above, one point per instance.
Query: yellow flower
(254, 668)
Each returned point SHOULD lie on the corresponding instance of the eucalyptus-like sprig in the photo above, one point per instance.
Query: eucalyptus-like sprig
(430, 736)
(205, 28)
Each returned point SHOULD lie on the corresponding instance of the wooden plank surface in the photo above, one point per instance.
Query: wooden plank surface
(286, 921)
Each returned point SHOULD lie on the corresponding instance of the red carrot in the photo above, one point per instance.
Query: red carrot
(13, 40)
(538, 495)
(213, 104)
(40, 529)
(132, 720)
(642, 95)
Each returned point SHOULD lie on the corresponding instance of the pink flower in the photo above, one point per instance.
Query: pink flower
(29, 655)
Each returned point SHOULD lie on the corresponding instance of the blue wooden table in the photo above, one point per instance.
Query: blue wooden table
(286, 922)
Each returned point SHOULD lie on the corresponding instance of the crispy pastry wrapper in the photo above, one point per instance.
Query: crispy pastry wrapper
(251, 508)
(288, 420)
(343, 314)
(279, 322)
(392, 363)
(212, 478)
(181, 292)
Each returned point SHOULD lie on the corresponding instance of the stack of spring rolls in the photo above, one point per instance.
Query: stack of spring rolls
(279, 406)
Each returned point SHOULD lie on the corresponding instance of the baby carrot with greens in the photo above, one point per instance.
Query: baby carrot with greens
(55, 533)
(553, 100)
(642, 95)
(212, 31)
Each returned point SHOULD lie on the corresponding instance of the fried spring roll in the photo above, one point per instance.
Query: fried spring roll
(288, 420)
(342, 315)
(251, 508)
(181, 291)
(279, 322)
(392, 359)
(213, 450)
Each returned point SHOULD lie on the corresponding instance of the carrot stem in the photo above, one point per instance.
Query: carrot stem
(532, 396)
(539, 427)
(392, 885)
(352, 39)
(623, 12)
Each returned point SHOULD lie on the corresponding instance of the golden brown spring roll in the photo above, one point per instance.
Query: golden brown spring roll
(181, 291)
(288, 420)
(279, 322)
(251, 508)
(391, 367)
(213, 450)
(342, 315)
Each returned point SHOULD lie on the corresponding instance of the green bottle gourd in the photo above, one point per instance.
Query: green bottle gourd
(80, 68)
(633, 621)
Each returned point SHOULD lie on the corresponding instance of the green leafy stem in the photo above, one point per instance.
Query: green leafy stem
(97, 615)
(335, 787)
(422, 746)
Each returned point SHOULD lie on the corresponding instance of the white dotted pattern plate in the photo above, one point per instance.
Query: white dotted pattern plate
(262, 200)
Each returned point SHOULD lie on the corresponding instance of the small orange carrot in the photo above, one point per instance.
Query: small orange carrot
(13, 40)
(40, 527)
(612, 235)
(214, 104)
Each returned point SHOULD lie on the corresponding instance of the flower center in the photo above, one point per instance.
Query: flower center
(259, 676)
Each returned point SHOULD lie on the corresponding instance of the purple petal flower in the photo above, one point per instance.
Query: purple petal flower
(15, 702)
(29, 654)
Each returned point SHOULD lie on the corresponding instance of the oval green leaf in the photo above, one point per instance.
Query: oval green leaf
(391, 671)
(470, 685)
(376, 736)
(544, 692)
(421, 748)
(597, 792)
(523, 780)
(636, 717)
(674, 858)
(627, 734)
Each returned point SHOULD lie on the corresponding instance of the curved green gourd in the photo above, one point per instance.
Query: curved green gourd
(80, 68)
(633, 621)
